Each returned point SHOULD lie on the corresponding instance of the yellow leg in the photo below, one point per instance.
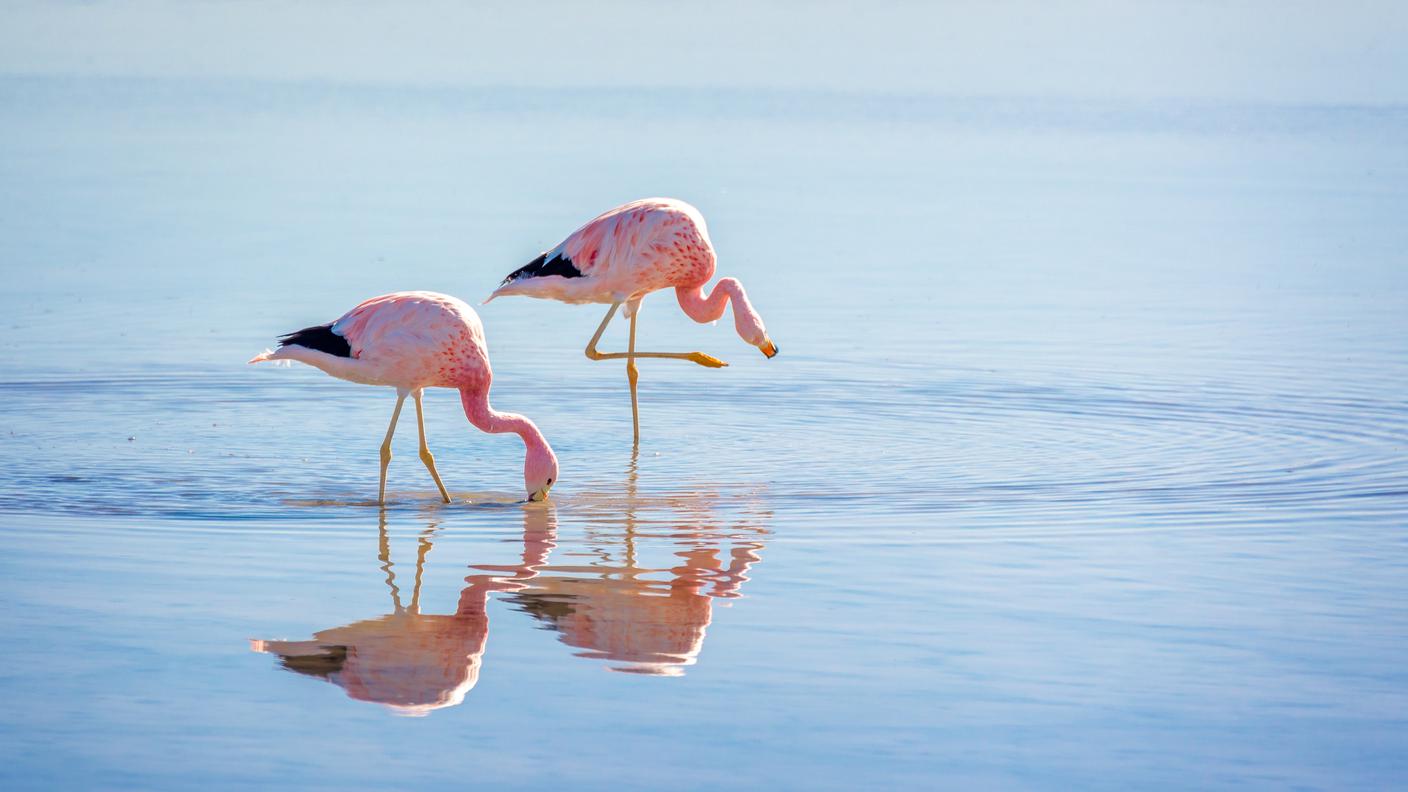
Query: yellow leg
(695, 357)
(632, 376)
(601, 328)
(632, 372)
(386, 446)
(425, 455)
(705, 360)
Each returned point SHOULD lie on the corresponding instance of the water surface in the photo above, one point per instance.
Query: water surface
(1083, 465)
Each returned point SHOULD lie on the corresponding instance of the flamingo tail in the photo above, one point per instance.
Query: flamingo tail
(335, 365)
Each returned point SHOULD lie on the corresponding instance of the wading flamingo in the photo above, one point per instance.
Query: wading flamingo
(411, 341)
(627, 253)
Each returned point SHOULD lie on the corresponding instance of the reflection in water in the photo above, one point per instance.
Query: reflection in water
(613, 606)
(637, 618)
(415, 662)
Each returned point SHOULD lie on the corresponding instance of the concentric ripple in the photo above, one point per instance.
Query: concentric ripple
(971, 448)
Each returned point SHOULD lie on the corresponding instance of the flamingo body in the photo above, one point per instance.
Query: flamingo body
(411, 341)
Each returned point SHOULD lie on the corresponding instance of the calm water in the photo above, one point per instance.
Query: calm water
(1085, 462)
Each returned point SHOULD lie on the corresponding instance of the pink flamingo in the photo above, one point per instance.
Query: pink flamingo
(412, 341)
(627, 253)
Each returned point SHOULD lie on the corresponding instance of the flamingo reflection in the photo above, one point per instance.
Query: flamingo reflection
(640, 618)
(409, 661)
(638, 592)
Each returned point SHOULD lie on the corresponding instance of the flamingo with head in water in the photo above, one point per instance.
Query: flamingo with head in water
(627, 253)
(412, 341)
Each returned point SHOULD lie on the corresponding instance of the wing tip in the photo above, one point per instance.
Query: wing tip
(319, 337)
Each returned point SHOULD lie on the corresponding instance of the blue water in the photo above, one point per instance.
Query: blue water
(1084, 464)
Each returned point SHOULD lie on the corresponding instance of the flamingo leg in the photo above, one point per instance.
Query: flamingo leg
(632, 376)
(425, 455)
(601, 328)
(386, 446)
(702, 359)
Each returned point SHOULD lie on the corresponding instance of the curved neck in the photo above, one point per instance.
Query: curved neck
(487, 419)
(708, 307)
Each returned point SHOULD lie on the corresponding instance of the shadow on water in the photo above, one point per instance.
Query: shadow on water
(638, 617)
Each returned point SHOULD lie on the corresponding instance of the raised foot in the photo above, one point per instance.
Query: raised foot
(706, 360)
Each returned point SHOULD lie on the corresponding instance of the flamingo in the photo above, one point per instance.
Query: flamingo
(627, 253)
(412, 341)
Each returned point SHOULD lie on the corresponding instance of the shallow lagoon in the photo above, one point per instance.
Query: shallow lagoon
(1083, 463)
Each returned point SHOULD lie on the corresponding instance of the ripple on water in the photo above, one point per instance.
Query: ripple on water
(961, 449)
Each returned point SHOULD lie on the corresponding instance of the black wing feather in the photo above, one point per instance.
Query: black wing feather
(542, 267)
(321, 338)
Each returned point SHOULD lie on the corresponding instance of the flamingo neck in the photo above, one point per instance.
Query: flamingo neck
(539, 463)
(487, 419)
(708, 307)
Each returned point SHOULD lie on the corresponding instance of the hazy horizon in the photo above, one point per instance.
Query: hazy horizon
(1252, 51)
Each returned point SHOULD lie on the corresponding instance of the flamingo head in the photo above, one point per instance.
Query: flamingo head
(746, 320)
(539, 471)
(750, 328)
(754, 333)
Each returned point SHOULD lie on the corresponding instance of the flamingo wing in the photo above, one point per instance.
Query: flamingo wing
(632, 249)
(403, 323)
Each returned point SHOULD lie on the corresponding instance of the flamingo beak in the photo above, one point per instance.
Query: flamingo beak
(540, 495)
(768, 347)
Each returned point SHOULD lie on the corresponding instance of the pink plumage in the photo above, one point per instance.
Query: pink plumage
(411, 341)
(629, 252)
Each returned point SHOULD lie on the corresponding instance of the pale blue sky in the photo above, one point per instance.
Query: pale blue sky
(1286, 51)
